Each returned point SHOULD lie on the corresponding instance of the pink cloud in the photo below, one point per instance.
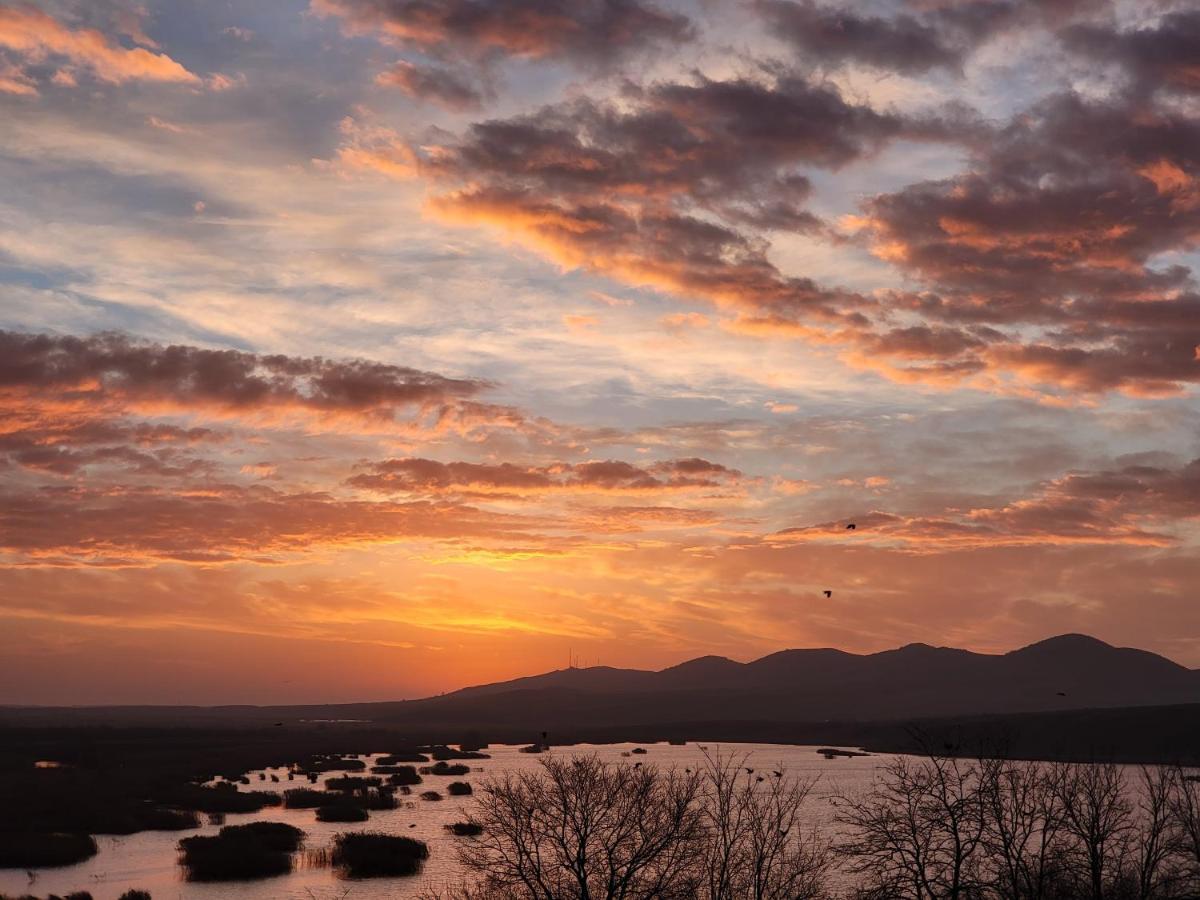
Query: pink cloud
(37, 35)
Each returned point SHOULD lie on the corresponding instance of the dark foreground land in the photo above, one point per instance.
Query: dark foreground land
(62, 783)
(188, 741)
(110, 779)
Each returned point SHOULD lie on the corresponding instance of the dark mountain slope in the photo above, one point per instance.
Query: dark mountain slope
(1067, 672)
(819, 685)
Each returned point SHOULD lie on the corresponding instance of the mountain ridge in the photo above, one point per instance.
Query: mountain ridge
(1065, 672)
(1081, 649)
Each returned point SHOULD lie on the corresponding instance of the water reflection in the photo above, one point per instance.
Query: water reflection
(149, 860)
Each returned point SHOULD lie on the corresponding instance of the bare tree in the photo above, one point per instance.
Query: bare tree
(919, 832)
(1022, 820)
(757, 846)
(582, 829)
(1185, 818)
(936, 827)
(1153, 844)
(1097, 816)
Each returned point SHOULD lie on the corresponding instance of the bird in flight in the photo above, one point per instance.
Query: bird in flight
(851, 527)
(828, 593)
(1062, 693)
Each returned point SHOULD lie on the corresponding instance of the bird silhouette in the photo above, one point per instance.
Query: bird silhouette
(413, 825)
(851, 527)
(749, 771)
(759, 778)
(1062, 693)
(777, 774)
(827, 593)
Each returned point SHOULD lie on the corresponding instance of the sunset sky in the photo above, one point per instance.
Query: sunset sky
(366, 349)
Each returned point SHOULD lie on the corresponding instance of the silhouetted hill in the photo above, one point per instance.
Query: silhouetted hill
(916, 681)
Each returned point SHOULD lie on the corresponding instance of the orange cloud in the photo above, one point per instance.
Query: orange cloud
(1138, 506)
(14, 80)
(120, 526)
(580, 321)
(1037, 267)
(1170, 180)
(432, 83)
(36, 34)
(113, 368)
(634, 519)
(430, 477)
(375, 149)
(679, 322)
(535, 29)
(672, 188)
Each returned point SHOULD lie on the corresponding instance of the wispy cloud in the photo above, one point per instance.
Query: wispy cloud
(36, 35)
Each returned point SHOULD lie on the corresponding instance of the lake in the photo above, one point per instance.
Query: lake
(148, 860)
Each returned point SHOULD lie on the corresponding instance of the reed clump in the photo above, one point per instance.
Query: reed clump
(373, 854)
(342, 812)
(444, 768)
(34, 850)
(404, 775)
(241, 852)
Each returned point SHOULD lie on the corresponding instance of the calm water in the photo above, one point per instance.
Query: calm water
(149, 860)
